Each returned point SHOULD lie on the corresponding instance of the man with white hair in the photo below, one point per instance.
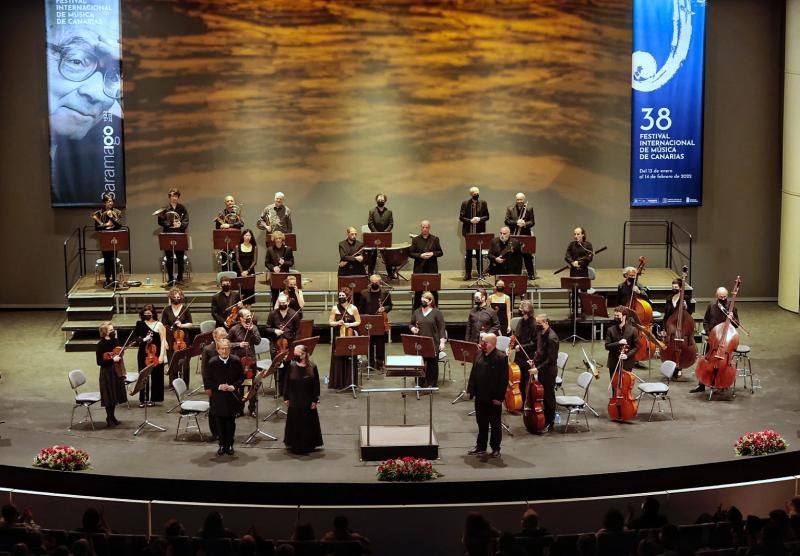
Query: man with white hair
(284, 323)
(473, 216)
(487, 385)
(276, 217)
(519, 217)
(717, 313)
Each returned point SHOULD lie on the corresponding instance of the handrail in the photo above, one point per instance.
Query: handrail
(76, 234)
(673, 247)
(669, 244)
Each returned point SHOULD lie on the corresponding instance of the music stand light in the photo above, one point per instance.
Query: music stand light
(464, 352)
(352, 347)
(173, 241)
(573, 284)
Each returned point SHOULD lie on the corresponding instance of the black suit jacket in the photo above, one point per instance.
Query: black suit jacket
(466, 214)
(613, 336)
(527, 216)
(420, 245)
(224, 404)
(221, 306)
(488, 378)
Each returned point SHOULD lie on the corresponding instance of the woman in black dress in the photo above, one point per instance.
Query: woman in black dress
(344, 316)
(301, 396)
(112, 387)
(177, 316)
(246, 256)
(150, 331)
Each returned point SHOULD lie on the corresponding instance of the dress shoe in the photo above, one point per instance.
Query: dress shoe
(115, 421)
(229, 451)
(698, 388)
(548, 428)
(638, 365)
(110, 423)
(221, 451)
(476, 452)
(142, 404)
(495, 453)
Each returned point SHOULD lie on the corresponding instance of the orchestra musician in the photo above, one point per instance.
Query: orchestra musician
(276, 217)
(527, 340)
(106, 219)
(225, 377)
(209, 351)
(473, 216)
(294, 294)
(717, 313)
(244, 337)
(380, 219)
(500, 302)
(351, 261)
(283, 322)
(519, 217)
(223, 302)
(544, 367)
(578, 256)
(344, 319)
(376, 300)
(112, 387)
(174, 218)
(176, 316)
(303, 433)
(150, 331)
(627, 288)
(505, 254)
(487, 385)
(425, 250)
(670, 305)
(482, 319)
(279, 258)
(427, 320)
(230, 216)
(621, 334)
(246, 256)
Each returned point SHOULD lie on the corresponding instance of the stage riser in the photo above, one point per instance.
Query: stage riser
(381, 453)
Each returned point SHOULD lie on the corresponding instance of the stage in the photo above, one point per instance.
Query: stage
(694, 449)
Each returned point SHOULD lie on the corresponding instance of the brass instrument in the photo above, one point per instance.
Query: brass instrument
(266, 224)
(106, 220)
(473, 228)
(231, 218)
(520, 217)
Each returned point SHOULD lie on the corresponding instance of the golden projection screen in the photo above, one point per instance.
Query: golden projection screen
(332, 102)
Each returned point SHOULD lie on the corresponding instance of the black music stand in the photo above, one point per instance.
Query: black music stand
(179, 361)
(224, 239)
(290, 240)
(377, 242)
(425, 282)
(371, 325)
(528, 247)
(516, 285)
(141, 384)
(352, 347)
(305, 329)
(594, 305)
(405, 366)
(591, 366)
(310, 344)
(464, 352)
(116, 241)
(419, 345)
(244, 283)
(573, 284)
(476, 242)
(173, 241)
(252, 394)
(277, 279)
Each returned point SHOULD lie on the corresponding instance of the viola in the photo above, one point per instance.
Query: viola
(646, 346)
(716, 368)
(513, 398)
(247, 366)
(679, 330)
(622, 405)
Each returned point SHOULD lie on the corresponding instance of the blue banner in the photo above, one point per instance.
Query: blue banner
(84, 88)
(667, 103)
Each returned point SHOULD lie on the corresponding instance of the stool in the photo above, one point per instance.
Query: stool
(741, 360)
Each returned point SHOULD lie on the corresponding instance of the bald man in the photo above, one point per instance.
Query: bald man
(351, 258)
(487, 385)
(717, 313)
(505, 254)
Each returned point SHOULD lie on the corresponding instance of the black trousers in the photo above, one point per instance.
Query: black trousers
(469, 254)
(109, 266)
(488, 418)
(418, 299)
(179, 256)
(226, 429)
(377, 351)
(527, 258)
(548, 380)
(431, 379)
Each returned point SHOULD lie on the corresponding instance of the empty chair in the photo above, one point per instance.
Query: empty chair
(189, 409)
(503, 343)
(561, 363)
(130, 378)
(444, 361)
(577, 404)
(207, 326)
(82, 399)
(659, 390)
(225, 274)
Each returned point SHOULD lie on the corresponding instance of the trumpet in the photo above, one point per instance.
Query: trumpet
(231, 218)
(107, 218)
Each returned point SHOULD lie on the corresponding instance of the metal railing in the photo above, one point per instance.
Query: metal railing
(672, 234)
(73, 251)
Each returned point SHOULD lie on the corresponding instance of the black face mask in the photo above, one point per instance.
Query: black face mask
(631, 280)
(478, 303)
(283, 306)
(526, 316)
(298, 358)
(112, 335)
(375, 287)
(501, 288)
(539, 328)
(226, 288)
(147, 317)
(475, 197)
(618, 321)
(425, 302)
(342, 300)
(381, 203)
(175, 301)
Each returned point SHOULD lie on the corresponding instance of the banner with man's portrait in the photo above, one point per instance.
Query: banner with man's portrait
(84, 86)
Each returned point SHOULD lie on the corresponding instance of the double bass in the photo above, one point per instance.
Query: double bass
(622, 405)
(513, 400)
(533, 409)
(679, 329)
(716, 368)
(646, 346)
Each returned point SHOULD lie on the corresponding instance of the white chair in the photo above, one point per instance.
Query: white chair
(261, 348)
(514, 322)
(659, 390)
(503, 342)
(207, 326)
(561, 363)
(225, 274)
(190, 409)
(130, 378)
(82, 399)
(577, 404)
(444, 361)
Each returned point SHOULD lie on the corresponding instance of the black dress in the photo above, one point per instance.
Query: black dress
(502, 316)
(246, 261)
(112, 387)
(303, 432)
(155, 388)
(168, 318)
(340, 373)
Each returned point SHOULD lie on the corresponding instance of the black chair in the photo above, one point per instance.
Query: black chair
(59, 535)
(565, 545)
(694, 537)
(535, 546)
(341, 548)
(212, 547)
(721, 536)
(101, 547)
(304, 548)
(621, 543)
(181, 546)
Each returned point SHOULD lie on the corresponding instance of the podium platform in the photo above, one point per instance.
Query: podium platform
(387, 441)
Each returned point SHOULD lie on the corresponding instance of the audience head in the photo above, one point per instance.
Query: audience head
(303, 532)
(669, 537)
(530, 519)
(212, 526)
(9, 514)
(174, 528)
(793, 506)
(648, 547)
(20, 549)
(650, 506)
(284, 550)
(476, 525)
(340, 523)
(91, 519)
(613, 521)
(587, 544)
(81, 547)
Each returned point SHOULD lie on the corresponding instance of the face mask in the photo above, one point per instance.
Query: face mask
(501, 288)
(526, 316)
(425, 302)
(630, 280)
(226, 288)
(298, 358)
(175, 301)
(342, 299)
(618, 320)
(375, 287)
(112, 335)
(475, 196)
(381, 203)
(282, 306)
(539, 328)
(483, 346)
(478, 301)
(148, 316)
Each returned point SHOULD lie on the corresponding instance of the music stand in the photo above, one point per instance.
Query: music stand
(352, 347)
(306, 328)
(173, 241)
(464, 352)
(573, 284)
(528, 248)
(223, 239)
(371, 325)
(356, 283)
(116, 241)
(405, 366)
(476, 242)
(419, 345)
(179, 361)
(591, 366)
(244, 283)
(290, 241)
(141, 384)
(277, 279)
(516, 284)
(252, 394)
(310, 344)
(596, 305)
(377, 241)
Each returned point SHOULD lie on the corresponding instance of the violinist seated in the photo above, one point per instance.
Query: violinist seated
(244, 337)
(628, 287)
(283, 325)
(544, 367)
(225, 302)
(621, 334)
(505, 254)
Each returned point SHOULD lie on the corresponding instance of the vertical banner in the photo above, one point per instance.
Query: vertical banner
(84, 87)
(667, 103)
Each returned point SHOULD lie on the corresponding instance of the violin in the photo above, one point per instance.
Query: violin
(119, 366)
(716, 368)
(679, 329)
(622, 405)
(646, 346)
(151, 357)
(233, 317)
(179, 340)
(513, 399)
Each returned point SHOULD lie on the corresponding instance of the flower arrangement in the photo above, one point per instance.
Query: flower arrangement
(406, 469)
(759, 443)
(62, 458)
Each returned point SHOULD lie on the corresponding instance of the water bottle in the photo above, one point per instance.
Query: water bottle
(558, 419)
(325, 380)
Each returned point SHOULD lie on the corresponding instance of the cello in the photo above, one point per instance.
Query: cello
(622, 405)
(646, 346)
(679, 330)
(533, 409)
(716, 369)
(513, 400)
